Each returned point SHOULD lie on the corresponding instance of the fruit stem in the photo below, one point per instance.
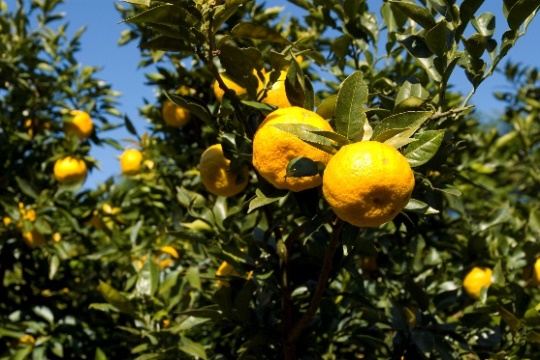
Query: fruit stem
(319, 290)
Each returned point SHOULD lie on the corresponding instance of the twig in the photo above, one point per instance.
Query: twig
(321, 285)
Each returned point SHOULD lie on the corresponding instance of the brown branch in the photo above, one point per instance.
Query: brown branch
(321, 285)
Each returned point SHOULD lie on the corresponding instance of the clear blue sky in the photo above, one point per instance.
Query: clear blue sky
(119, 65)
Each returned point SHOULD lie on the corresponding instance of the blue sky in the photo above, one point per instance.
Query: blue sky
(119, 65)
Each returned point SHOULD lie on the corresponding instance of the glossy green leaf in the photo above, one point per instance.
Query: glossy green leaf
(192, 348)
(405, 124)
(485, 24)
(437, 38)
(251, 30)
(417, 13)
(426, 146)
(467, 10)
(165, 43)
(327, 108)
(350, 115)
(224, 12)
(138, 2)
(148, 277)
(520, 11)
(307, 133)
(194, 107)
(262, 199)
(115, 298)
(302, 166)
(167, 14)
(420, 207)
(418, 48)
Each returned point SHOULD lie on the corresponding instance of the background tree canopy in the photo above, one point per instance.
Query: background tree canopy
(154, 265)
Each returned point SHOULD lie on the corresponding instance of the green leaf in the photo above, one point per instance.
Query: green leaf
(520, 11)
(404, 124)
(437, 38)
(193, 106)
(115, 298)
(419, 14)
(409, 90)
(26, 187)
(138, 2)
(99, 354)
(350, 115)
(420, 207)
(327, 108)
(53, 266)
(224, 12)
(421, 151)
(476, 45)
(303, 166)
(398, 142)
(485, 24)
(338, 138)
(241, 65)
(307, 133)
(165, 43)
(251, 30)
(167, 14)
(148, 277)
(192, 348)
(262, 199)
(417, 47)
(467, 9)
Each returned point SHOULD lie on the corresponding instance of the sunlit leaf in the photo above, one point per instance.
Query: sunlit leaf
(259, 32)
(421, 151)
(350, 115)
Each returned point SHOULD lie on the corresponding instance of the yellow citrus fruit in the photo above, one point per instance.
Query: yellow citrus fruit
(275, 94)
(476, 279)
(33, 238)
(218, 92)
(170, 250)
(130, 161)
(27, 339)
(535, 278)
(238, 90)
(69, 170)
(216, 176)
(368, 183)
(81, 125)
(273, 148)
(174, 115)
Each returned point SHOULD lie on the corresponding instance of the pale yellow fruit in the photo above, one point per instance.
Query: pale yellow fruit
(476, 279)
(174, 115)
(216, 176)
(368, 183)
(81, 125)
(130, 161)
(276, 94)
(274, 148)
(70, 170)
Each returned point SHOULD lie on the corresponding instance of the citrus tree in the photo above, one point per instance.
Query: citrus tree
(307, 187)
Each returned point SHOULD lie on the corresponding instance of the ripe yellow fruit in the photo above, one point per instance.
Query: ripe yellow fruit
(535, 277)
(170, 250)
(273, 148)
(81, 125)
(27, 339)
(216, 176)
(368, 183)
(218, 92)
(70, 170)
(33, 238)
(276, 94)
(476, 279)
(174, 115)
(130, 161)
